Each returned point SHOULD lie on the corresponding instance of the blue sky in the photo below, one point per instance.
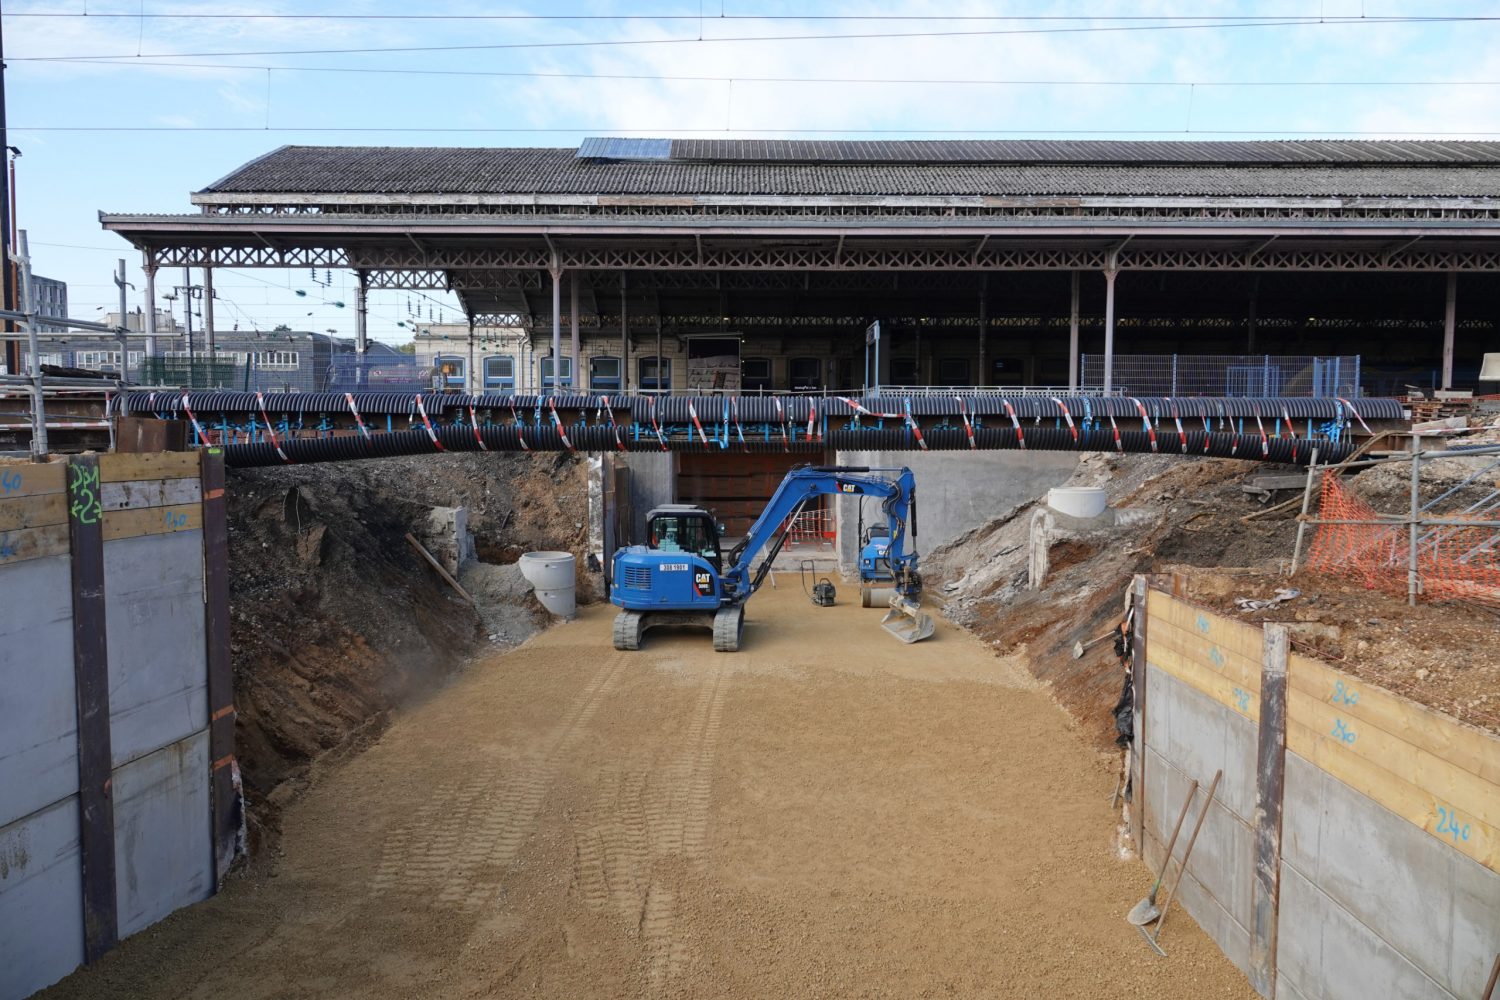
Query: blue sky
(1204, 68)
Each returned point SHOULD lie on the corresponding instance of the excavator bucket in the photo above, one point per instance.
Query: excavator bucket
(906, 620)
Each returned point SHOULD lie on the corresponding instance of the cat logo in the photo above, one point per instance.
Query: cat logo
(703, 583)
(848, 487)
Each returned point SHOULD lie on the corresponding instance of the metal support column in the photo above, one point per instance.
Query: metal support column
(148, 316)
(208, 310)
(573, 326)
(1450, 315)
(361, 326)
(28, 306)
(1109, 328)
(556, 273)
(469, 381)
(187, 314)
(1073, 375)
(624, 338)
(981, 377)
(124, 323)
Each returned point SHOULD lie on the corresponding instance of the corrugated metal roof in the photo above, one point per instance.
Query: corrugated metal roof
(1380, 169)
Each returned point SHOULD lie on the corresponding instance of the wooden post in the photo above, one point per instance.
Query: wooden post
(96, 810)
(224, 804)
(1270, 786)
(1138, 724)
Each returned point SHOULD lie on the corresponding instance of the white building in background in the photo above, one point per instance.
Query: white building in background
(500, 357)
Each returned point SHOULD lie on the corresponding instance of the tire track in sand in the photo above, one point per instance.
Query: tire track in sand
(645, 816)
(456, 846)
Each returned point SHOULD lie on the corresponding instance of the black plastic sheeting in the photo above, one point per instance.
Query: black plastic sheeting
(785, 409)
(598, 439)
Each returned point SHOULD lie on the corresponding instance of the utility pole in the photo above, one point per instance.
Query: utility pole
(124, 324)
(7, 229)
(187, 310)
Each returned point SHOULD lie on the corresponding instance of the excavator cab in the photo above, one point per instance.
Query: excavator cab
(685, 528)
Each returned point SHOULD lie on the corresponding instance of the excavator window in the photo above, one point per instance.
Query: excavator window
(690, 531)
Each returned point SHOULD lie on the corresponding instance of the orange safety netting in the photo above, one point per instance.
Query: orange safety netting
(1453, 562)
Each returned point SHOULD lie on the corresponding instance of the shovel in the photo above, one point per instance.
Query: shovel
(906, 621)
(1081, 647)
(1146, 910)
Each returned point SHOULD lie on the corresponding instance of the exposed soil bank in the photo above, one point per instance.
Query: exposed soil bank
(336, 619)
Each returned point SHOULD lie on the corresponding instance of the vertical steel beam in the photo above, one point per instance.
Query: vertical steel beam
(1450, 316)
(1109, 327)
(124, 324)
(148, 317)
(624, 336)
(96, 811)
(28, 306)
(981, 376)
(469, 380)
(225, 810)
(361, 325)
(187, 311)
(1073, 376)
(573, 328)
(1413, 579)
(556, 273)
(1138, 651)
(1270, 786)
(208, 310)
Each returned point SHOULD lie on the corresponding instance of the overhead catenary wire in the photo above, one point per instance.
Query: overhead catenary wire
(700, 38)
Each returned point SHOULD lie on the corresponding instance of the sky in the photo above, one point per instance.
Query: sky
(131, 106)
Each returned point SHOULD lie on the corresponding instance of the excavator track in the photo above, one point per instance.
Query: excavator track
(729, 626)
(629, 625)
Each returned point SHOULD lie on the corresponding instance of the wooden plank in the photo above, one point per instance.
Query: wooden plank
(1468, 792)
(1469, 836)
(1226, 633)
(96, 823)
(1205, 652)
(1464, 746)
(33, 543)
(1205, 680)
(33, 511)
(30, 479)
(224, 799)
(150, 493)
(123, 468)
(151, 521)
(1270, 788)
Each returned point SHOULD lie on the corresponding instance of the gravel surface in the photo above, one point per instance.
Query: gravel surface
(826, 813)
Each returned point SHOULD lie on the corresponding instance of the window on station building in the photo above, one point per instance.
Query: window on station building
(274, 359)
(655, 374)
(904, 371)
(806, 374)
(755, 375)
(544, 366)
(499, 373)
(450, 369)
(604, 374)
(953, 371)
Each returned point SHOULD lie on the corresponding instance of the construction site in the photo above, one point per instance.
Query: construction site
(971, 568)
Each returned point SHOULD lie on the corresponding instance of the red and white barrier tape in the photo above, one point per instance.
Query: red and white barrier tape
(474, 422)
(916, 428)
(520, 432)
(197, 427)
(431, 434)
(1146, 421)
(1356, 414)
(693, 413)
(360, 421)
(1020, 438)
(968, 424)
(1066, 416)
(657, 427)
(781, 418)
(270, 431)
(558, 426)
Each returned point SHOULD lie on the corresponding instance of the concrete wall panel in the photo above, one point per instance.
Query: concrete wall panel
(41, 900)
(653, 482)
(38, 714)
(158, 685)
(956, 491)
(1325, 953)
(164, 859)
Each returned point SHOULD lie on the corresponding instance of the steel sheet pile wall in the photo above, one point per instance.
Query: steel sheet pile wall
(1354, 849)
(109, 769)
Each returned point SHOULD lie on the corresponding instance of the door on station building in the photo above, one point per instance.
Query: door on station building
(735, 488)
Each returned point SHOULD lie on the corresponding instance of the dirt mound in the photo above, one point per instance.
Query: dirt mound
(335, 619)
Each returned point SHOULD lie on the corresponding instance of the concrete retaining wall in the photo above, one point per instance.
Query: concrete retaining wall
(1351, 851)
(956, 491)
(115, 772)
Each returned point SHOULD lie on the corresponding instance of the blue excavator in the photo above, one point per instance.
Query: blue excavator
(681, 577)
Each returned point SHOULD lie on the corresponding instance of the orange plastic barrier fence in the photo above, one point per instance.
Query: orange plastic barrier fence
(1453, 562)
